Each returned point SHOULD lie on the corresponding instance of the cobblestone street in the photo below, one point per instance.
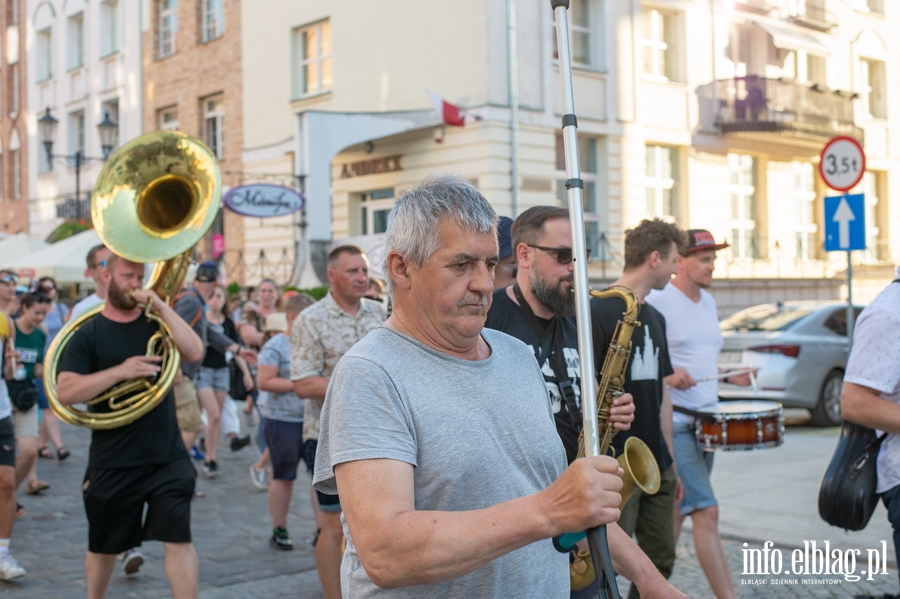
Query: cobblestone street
(231, 528)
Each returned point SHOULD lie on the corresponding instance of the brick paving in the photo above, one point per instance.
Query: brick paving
(231, 528)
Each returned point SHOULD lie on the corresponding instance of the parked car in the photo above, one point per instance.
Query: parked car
(800, 349)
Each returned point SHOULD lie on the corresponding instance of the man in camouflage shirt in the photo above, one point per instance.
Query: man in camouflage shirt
(320, 336)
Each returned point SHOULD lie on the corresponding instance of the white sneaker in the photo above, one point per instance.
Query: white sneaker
(10, 569)
(258, 476)
(132, 560)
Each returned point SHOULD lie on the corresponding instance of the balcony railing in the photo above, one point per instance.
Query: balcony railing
(760, 7)
(813, 16)
(757, 105)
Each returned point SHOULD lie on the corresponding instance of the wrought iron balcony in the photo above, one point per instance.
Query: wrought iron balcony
(755, 105)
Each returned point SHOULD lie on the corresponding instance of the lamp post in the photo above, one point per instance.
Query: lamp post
(108, 130)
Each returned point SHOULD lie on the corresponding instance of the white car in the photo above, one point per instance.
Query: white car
(800, 349)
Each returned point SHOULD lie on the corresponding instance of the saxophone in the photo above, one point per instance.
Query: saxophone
(641, 469)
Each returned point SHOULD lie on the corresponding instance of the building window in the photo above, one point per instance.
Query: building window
(803, 198)
(815, 70)
(14, 88)
(579, 15)
(16, 166)
(43, 54)
(312, 59)
(76, 132)
(587, 157)
(872, 88)
(214, 126)
(658, 45)
(742, 189)
(76, 41)
(662, 181)
(740, 50)
(212, 22)
(374, 208)
(168, 27)
(109, 27)
(870, 5)
(167, 119)
(12, 12)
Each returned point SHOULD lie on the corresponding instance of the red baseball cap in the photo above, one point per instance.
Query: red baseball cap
(701, 239)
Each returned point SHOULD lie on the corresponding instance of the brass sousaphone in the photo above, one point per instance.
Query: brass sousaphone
(153, 201)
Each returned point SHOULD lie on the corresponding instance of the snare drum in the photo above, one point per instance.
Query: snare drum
(730, 425)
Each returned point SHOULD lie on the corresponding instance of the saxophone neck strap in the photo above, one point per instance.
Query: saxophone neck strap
(551, 350)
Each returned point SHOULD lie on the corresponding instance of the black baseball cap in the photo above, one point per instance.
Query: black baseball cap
(207, 272)
(503, 236)
(701, 239)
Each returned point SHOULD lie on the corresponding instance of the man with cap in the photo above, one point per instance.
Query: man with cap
(505, 273)
(695, 339)
(190, 304)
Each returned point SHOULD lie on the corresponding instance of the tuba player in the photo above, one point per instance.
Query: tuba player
(140, 464)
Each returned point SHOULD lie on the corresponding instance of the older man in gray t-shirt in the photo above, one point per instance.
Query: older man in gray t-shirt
(439, 434)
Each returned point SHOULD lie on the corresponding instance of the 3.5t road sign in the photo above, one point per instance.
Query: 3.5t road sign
(845, 223)
(842, 163)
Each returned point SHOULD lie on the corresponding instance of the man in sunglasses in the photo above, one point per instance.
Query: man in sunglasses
(651, 254)
(538, 309)
(96, 264)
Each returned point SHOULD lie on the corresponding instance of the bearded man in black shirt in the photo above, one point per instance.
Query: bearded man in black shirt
(651, 251)
(539, 309)
(143, 463)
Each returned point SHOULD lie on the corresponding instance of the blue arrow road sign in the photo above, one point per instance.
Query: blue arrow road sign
(845, 223)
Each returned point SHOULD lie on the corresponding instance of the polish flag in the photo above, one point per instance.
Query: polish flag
(450, 114)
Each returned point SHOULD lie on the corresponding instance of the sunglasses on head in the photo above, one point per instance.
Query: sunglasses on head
(563, 255)
(9, 279)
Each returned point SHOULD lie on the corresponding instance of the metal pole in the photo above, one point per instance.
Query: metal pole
(851, 315)
(513, 66)
(78, 186)
(597, 539)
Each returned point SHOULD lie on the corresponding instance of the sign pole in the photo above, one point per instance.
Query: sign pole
(850, 311)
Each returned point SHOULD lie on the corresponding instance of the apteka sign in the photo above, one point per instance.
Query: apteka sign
(263, 200)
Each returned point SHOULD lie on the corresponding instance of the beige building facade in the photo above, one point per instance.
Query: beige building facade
(14, 184)
(709, 114)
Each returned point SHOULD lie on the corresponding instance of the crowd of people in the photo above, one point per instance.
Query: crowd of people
(444, 404)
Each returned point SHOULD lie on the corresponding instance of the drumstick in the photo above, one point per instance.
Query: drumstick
(725, 375)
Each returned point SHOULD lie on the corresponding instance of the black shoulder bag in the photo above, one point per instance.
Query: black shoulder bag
(551, 349)
(23, 394)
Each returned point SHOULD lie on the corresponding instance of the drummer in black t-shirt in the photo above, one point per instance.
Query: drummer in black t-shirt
(143, 463)
(651, 251)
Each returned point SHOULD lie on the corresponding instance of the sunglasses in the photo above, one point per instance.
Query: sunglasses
(9, 279)
(46, 288)
(563, 255)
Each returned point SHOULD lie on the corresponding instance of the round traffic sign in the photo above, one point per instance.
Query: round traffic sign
(842, 163)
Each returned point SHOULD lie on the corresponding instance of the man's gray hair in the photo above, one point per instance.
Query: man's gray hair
(415, 217)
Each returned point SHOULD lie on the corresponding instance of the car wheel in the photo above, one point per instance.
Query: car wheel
(828, 411)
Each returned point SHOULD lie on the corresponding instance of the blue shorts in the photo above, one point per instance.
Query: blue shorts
(218, 379)
(42, 397)
(327, 503)
(694, 466)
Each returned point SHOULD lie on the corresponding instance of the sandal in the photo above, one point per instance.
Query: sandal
(43, 452)
(62, 453)
(36, 485)
(198, 495)
(20, 510)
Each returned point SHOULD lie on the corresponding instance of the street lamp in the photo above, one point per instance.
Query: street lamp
(108, 130)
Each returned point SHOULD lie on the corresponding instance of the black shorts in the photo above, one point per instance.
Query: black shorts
(285, 443)
(327, 503)
(114, 500)
(7, 442)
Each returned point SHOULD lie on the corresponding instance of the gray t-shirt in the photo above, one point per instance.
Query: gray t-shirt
(286, 407)
(477, 432)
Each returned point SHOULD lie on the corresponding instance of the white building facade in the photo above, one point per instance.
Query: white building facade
(85, 64)
(711, 114)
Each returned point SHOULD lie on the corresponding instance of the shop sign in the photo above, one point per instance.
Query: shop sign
(375, 166)
(263, 200)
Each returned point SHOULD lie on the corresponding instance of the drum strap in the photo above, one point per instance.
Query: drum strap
(701, 415)
(551, 350)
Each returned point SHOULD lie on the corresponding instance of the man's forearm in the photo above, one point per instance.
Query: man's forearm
(186, 340)
(73, 388)
(865, 406)
(311, 387)
(665, 421)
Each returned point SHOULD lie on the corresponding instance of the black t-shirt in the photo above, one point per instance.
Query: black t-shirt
(648, 366)
(506, 316)
(214, 358)
(151, 439)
